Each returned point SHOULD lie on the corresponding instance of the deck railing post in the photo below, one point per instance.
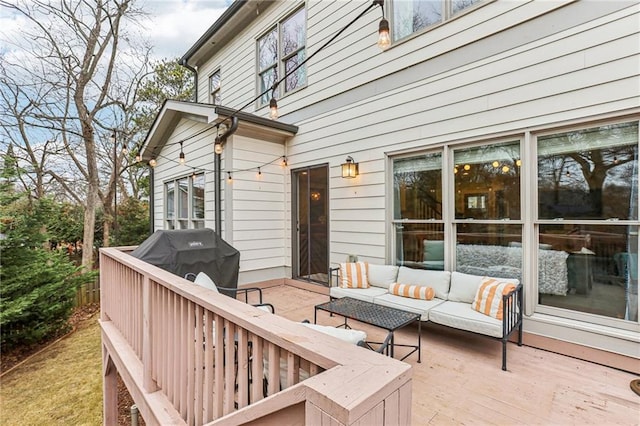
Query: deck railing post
(147, 348)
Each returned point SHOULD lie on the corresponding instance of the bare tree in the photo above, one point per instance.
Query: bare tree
(69, 79)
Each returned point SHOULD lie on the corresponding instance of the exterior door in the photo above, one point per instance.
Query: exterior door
(310, 217)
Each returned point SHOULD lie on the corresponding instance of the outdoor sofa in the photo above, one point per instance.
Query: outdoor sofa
(447, 298)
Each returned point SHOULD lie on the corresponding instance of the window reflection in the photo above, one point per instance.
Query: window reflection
(417, 183)
(590, 268)
(589, 173)
(420, 245)
(197, 196)
(487, 182)
(493, 250)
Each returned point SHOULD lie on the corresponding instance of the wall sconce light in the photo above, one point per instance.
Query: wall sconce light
(350, 168)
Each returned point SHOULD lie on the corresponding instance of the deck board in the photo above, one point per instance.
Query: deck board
(460, 380)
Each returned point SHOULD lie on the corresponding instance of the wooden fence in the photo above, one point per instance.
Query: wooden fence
(88, 293)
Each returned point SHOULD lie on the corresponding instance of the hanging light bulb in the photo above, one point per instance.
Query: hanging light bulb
(229, 178)
(153, 162)
(182, 159)
(273, 105)
(125, 150)
(384, 41)
(284, 161)
(138, 157)
(217, 148)
(495, 164)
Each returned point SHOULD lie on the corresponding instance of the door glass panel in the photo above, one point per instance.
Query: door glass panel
(312, 224)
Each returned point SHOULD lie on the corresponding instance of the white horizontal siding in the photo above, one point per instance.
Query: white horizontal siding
(258, 203)
(482, 77)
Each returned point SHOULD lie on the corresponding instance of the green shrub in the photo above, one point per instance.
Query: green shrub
(37, 296)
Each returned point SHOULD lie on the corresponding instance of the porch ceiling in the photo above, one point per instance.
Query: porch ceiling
(248, 124)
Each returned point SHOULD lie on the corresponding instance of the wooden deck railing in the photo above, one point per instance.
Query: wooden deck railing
(190, 356)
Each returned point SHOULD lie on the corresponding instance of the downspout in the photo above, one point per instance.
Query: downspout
(217, 170)
(195, 77)
(151, 201)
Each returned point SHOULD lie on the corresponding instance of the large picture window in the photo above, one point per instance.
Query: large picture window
(281, 50)
(418, 211)
(184, 202)
(588, 210)
(463, 208)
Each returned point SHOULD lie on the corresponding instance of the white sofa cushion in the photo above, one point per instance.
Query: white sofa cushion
(419, 306)
(460, 315)
(381, 275)
(366, 294)
(205, 281)
(439, 280)
(348, 335)
(464, 287)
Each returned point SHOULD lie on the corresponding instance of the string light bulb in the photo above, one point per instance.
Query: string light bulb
(125, 150)
(138, 157)
(284, 161)
(273, 105)
(182, 159)
(229, 178)
(153, 162)
(384, 41)
(217, 148)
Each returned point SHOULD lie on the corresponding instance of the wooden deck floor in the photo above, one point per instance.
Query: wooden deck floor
(460, 380)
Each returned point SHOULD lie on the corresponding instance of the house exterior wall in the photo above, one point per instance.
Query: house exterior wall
(199, 159)
(505, 70)
(256, 207)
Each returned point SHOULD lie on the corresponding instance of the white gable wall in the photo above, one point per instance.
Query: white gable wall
(199, 158)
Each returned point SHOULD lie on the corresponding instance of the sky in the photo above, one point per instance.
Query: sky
(172, 26)
(175, 25)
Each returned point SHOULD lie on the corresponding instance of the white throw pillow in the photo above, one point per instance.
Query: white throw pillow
(438, 280)
(382, 275)
(464, 287)
(203, 280)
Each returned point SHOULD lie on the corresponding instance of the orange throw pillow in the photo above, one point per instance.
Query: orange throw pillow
(488, 298)
(413, 291)
(353, 275)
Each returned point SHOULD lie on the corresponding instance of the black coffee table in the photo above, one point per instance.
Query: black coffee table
(390, 319)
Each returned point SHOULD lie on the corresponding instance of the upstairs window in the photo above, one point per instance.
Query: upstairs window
(214, 88)
(280, 51)
(410, 16)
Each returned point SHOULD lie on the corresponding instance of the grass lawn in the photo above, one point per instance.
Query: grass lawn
(61, 385)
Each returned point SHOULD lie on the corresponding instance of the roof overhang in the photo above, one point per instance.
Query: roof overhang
(249, 125)
(235, 18)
